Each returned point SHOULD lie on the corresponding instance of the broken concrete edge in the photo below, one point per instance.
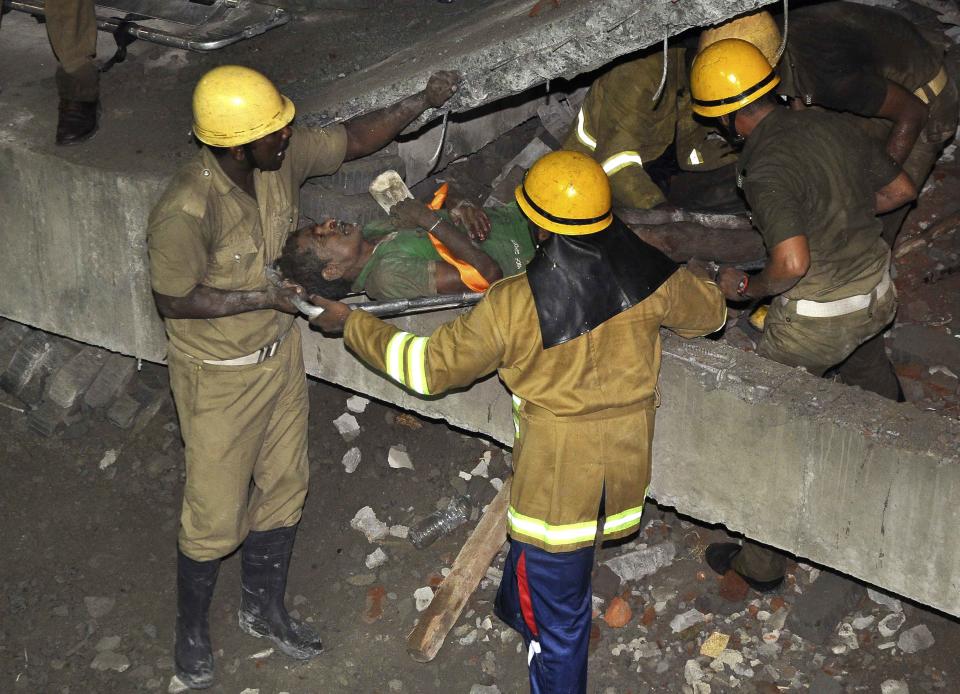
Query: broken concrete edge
(573, 39)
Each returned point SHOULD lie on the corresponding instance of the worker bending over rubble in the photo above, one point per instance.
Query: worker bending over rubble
(865, 60)
(236, 366)
(623, 127)
(576, 340)
(814, 183)
(395, 258)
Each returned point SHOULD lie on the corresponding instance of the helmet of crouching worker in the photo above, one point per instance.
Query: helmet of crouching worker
(235, 105)
(566, 193)
(728, 75)
(759, 28)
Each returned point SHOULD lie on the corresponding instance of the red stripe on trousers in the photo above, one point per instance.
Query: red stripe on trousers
(526, 604)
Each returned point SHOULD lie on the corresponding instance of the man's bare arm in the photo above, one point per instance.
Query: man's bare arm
(897, 192)
(207, 302)
(373, 131)
(909, 114)
(788, 263)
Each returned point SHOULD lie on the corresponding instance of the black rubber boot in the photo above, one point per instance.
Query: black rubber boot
(193, 655)
(264, 562)
(720, 556)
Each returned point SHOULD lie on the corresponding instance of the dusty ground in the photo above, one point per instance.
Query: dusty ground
(75, 534)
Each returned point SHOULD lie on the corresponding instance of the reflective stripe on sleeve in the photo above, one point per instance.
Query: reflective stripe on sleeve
(517, 402)
(406, 361)
(551, 534)
(621, 160)
(582, 133)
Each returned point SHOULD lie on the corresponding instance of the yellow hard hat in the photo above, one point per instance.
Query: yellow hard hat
(728, 75)
(759, 28)
(235, 105)
(566, 193)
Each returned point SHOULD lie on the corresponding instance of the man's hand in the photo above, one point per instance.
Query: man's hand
(334, 316)
(412, 212)
(729, 280)
(441, 86)
(473, 219)
(279, 298)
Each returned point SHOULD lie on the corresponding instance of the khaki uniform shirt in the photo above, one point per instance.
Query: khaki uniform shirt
(584, 409)
(206, 230)
(814, 173)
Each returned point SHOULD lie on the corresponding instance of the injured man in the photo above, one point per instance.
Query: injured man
(415, 252)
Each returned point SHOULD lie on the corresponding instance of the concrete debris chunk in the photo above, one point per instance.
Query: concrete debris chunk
(861, 623)
(350, 460)
(376, 558)
(848, 636)
(643, 562)
(398, 458)
(108, 459)
(110, 660)
(98, 607)
(357, 404)
(401, 531)
(347, 426)
(366, 522)
(891, 624)
(260, 655)
(692, 672)
(248, 690)
(894, 687)
(69, 383)
(484, 689)
(176, 686)
(915, 639)
(728, 658)
(684, 621)
(714, 644)
(423, 597)
(116, 374)
(497, 483)
(482, 467)
(885, 600)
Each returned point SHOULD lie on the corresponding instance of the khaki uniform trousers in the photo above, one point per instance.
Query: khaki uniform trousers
(72, 30)
(241, 423)
(854, 343)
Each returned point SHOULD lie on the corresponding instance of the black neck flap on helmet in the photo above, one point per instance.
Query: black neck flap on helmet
(579, 282)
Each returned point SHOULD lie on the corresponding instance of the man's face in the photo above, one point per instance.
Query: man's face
(336, 243)
(727, 125)
(268, 153)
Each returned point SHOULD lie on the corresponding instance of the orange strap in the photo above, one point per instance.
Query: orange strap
(468, 273)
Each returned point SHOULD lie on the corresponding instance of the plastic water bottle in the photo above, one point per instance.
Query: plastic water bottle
(441, 522)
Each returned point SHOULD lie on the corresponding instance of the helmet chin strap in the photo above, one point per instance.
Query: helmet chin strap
(728, 128)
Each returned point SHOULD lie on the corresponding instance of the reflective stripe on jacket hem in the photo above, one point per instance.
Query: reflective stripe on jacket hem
(570, 533)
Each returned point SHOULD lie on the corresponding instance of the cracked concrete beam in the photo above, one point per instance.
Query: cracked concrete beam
(501, 50)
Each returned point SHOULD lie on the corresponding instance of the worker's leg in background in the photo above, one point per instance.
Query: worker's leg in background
(72, 30)
(546, 597)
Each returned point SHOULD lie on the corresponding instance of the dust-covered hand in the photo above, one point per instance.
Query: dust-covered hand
(729, 280)
(414, 213)
(334, 316)
(441, 86)
(473, 219)
(279, 298)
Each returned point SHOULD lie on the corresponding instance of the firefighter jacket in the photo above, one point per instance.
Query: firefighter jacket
(583, 409)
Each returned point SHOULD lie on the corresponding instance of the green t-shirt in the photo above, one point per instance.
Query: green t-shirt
(815, 173)
(403, 264)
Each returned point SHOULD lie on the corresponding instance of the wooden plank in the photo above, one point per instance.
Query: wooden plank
(427, 637)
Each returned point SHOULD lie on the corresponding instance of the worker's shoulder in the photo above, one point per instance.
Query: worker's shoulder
(509, 291)
(186, 192)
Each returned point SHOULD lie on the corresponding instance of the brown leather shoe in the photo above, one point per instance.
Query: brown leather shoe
(78, 121)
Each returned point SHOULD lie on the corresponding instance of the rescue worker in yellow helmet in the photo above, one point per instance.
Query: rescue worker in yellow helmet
(866, 60)
(576, 340)
(236, 367)
(621, 126)
(814, 183)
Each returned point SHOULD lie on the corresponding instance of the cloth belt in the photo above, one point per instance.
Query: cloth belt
(841, 307)
(927, 92)
(257, 357)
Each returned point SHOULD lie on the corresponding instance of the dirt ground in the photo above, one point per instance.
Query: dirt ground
(89, 581)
